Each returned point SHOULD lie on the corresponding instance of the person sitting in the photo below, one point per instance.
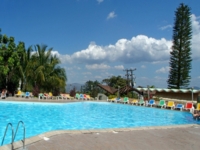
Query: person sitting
(196, 115)
(3, 93)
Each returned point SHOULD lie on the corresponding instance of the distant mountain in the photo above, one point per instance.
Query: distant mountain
(70, 86)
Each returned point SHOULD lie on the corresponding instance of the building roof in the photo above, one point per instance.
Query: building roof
(122, 90)
(126, 89)
(108, 89)
(168, 90)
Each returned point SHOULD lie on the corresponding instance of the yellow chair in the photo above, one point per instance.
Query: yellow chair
(19, 93)
(50, 95)
(68, 96)
(88, 97)
(135, 101)
(112, 99)
(171, 104)
(198, 106)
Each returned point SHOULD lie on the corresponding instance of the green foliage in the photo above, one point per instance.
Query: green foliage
(114, 81)
(9, 63)
(91, 87)
(73, 92)
(180, 56)
(38, 72)
(43, 70)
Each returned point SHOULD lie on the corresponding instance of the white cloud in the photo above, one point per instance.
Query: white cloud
(120, 67)
(100, 1)
(165, 27)
(138, 49)
(97, 67)
(111, 15)
(55, 53)
(65, 58)
(163, 70)
(195, 37)
(143, 66)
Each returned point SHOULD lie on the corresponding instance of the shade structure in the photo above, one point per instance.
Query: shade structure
(122, 90)
(108, 89)
(127, 88)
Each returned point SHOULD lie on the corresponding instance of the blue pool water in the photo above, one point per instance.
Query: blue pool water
(39, 117)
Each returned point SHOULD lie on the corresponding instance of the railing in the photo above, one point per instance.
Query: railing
(5, 135)
(23, 141)
(14, 134)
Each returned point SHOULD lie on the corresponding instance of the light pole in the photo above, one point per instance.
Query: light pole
(192, 94)
(148, 91)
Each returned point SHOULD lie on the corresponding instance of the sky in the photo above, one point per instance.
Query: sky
(98, 39)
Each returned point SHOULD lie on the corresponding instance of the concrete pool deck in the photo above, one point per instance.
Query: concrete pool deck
(184, 137)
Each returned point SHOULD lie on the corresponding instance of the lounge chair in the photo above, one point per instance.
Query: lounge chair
(62, 96)
(189, 106)
(118, 99)
(88, 97)
(68, 96)
(23, 94)
(18, 94)
(77, 96)
(125, 100)
(179, 106)
(112, 99)
(151, 103)
(50, 95)
(170, 104)
(59, 97)
(27, 95)
(198, 107)
(161, 104)
(134, 102)
(141, 102)
(81, 97)
(42, 96)
(85, 97)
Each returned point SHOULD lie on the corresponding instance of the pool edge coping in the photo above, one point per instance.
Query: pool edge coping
(39, 137)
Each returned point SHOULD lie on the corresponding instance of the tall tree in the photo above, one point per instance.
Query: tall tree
(43, 70)
(180, 56)
(9, 63)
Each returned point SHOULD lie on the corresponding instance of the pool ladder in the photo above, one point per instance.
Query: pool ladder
(14, 134)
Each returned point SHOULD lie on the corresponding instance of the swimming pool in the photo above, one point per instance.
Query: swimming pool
(43, 117)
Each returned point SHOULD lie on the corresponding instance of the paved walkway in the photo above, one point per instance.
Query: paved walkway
(154, 138)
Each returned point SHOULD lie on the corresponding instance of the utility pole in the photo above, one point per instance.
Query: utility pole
(132, 77)
(127, 76)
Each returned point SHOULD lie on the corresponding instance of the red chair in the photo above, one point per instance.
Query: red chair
(189, 106)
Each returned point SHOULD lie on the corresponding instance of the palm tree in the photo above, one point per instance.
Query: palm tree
(44, 71)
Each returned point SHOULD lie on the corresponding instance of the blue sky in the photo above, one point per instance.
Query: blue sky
(96, 39)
